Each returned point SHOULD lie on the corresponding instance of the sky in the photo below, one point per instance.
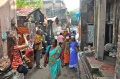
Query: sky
(72, 4)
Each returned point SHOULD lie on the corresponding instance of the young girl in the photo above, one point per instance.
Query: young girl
(14, 54)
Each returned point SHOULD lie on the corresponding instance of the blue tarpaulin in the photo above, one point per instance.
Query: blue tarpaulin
(77, 15)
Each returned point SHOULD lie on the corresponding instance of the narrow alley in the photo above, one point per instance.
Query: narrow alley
(59, 39)
(66, 73)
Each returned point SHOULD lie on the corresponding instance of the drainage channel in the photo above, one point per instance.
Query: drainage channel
(85, 68)
(79, 71)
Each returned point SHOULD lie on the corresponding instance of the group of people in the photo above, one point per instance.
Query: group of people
(23, 56)
(62, 52)
(69, 47)
(58, 53)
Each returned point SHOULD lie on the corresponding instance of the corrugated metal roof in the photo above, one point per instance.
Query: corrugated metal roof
(25, 11)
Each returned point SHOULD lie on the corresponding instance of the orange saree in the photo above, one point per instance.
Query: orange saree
(66, 52)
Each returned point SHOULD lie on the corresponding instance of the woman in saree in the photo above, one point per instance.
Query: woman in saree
(66, 51)
(74, 46)
(53, 53)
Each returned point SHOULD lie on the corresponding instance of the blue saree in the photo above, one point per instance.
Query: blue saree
(73, 55)
(54, 61)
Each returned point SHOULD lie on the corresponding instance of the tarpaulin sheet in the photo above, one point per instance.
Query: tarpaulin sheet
(21, 31)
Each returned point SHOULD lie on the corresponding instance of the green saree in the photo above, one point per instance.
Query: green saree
(54, 61)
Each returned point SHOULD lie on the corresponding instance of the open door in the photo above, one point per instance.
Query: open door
(108, 33)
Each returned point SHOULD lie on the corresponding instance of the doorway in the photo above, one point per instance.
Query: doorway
(108, 33)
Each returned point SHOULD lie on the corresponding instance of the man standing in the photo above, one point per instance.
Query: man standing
(43, 42)
(38, 48)
(60, 39)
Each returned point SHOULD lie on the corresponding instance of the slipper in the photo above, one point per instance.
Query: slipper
(39, 67)
(62, 66)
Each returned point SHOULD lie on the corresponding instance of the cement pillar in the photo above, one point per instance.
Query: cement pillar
(101, 28)
(117, 72)
(117, 68)
(95, 23)
(114, 22)
(83, 23)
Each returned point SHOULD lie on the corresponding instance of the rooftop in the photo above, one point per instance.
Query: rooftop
(24, 11)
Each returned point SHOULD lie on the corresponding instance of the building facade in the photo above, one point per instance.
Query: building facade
(106, 21)
(55, 8)
(7, 22)
(86, 20)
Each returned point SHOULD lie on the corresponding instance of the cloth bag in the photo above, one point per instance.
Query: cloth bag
(30, 56)
(36, 45)
(22, 69)
(47, 57)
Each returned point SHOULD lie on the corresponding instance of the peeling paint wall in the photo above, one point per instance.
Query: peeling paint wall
(87, 16)
(117, 72)
(7, 13)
